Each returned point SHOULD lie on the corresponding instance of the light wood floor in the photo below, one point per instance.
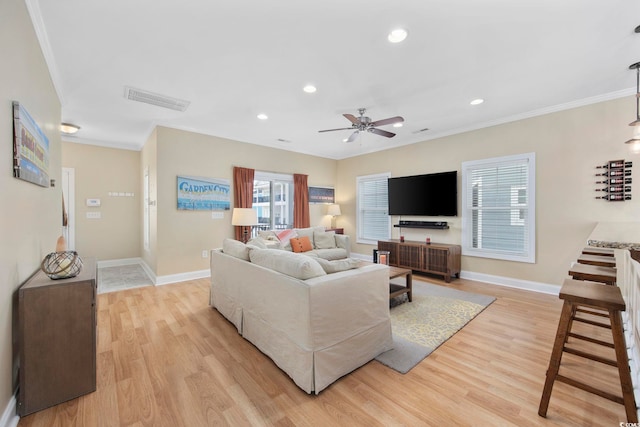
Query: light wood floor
(165, 358)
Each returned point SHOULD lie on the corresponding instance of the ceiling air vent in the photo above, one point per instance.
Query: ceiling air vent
(155, 99)
(421, 130)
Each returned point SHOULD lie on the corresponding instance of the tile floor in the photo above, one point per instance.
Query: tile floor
(111, 279)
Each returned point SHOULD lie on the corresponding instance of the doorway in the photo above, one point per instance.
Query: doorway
(69, 206)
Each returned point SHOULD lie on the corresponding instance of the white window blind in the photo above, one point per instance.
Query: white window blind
(372, 207)
(498, 199)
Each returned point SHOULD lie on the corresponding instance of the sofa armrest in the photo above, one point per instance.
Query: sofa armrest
(343, 241)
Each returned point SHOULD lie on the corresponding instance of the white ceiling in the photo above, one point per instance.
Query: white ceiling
(234, 59)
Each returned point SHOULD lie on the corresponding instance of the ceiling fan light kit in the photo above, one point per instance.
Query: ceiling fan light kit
(364, 124)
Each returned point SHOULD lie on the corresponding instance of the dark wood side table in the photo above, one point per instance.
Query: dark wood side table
(397, 290)
(57, 339)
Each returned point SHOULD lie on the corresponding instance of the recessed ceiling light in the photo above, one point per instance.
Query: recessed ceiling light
(397, 35)
(263, 116)
(309, 88)
(477, 101)
(397, 125)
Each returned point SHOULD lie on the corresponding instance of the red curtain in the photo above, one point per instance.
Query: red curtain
(300, 201)
(242, 193)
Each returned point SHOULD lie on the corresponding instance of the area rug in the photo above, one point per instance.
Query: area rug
(435, 315)
(111, 279)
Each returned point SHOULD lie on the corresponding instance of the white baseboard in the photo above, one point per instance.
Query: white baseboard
(509, 282)
(9, 416)
(182, 277)
(148, 270)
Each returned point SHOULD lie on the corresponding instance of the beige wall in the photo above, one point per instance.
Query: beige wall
(568, 146)
(98, 172)
(30, 216)
(182, 235)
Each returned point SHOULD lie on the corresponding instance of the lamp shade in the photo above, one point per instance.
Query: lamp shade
(334, 210)
(244, 216)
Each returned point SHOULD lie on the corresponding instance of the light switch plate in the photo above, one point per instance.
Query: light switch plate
(217, 215)
(94, 215)
(93, 203)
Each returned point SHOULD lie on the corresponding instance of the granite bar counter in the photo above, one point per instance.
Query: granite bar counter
(616, 235)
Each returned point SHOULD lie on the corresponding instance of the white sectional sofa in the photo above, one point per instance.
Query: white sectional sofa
(317, 327)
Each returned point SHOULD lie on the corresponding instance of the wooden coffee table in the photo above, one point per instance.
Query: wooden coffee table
(397, 290)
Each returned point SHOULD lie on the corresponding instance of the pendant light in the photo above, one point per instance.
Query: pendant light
(636, 135)
(636, 66)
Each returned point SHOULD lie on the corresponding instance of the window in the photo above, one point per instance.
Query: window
(498, 208)
(273, 199)
(373, 221)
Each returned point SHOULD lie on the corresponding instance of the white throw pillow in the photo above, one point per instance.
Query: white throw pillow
(337, 265)
(309, 231)
(258, 242)
(290, 263)
(235, 248)
(324, 239)
(269, 235)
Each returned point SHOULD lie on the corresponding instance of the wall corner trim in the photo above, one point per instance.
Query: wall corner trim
(9, 416)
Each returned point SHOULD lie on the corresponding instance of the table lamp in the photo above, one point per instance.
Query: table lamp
(334, 211)
(244, 217)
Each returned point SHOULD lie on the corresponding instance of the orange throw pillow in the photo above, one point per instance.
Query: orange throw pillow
(301, 244)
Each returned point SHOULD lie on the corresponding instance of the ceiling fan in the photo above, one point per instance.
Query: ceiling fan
(364, 124)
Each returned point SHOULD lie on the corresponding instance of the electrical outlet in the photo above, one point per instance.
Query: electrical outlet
(205, 253)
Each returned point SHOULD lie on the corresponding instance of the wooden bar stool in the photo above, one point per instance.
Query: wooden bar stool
(600, 260)
(592, 250)
(593, 295)
(593, 273)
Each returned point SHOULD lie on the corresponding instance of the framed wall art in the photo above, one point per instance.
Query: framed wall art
(322, 195)
(203, 194)
(30, 148)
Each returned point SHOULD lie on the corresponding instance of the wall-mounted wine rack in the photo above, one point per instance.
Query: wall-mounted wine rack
(615, 181)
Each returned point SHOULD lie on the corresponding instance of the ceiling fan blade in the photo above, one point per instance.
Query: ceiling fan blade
(353, 136)
(382, 132)
(331, 130)
(389, 121)
(353, 119)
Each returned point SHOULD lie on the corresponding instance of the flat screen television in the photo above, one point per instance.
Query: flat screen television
(433, 194)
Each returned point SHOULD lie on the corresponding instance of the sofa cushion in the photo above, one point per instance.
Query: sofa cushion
(331, 254)
(337, 265)
(235, 248)
(258, 242)
(292, 264)
(301, 244)
(324, 239)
